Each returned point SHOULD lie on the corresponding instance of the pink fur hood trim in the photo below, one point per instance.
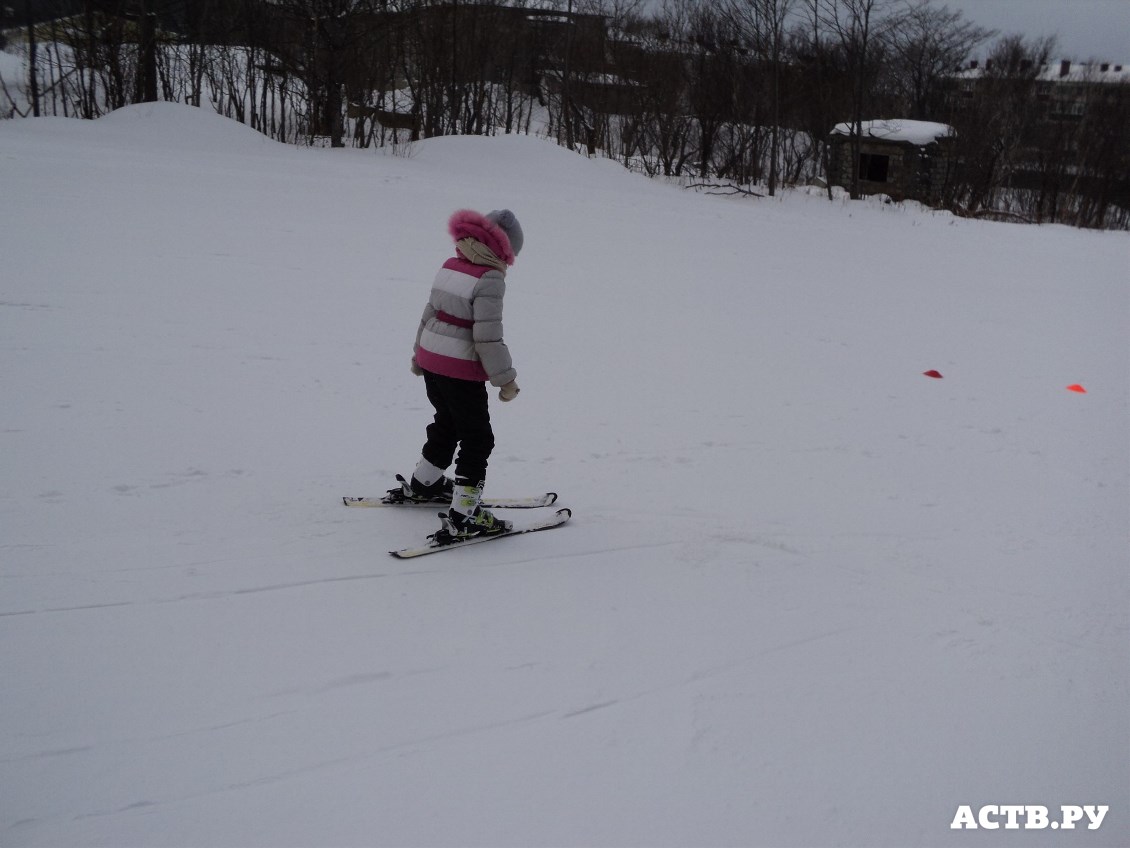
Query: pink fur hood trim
(466, 223)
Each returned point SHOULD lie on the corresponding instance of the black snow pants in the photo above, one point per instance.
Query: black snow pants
(462, 421)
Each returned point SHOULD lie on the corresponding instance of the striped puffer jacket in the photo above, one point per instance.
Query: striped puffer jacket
(460, 332)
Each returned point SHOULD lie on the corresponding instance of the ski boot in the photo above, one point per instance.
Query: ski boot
(458, 527)
(466, 519)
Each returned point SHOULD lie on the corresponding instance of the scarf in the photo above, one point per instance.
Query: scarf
(477, 252)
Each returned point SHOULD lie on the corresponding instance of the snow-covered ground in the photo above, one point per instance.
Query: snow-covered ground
(809, 596)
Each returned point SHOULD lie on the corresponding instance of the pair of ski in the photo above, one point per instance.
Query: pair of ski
(394, 499)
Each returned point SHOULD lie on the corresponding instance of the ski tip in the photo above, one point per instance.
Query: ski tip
(550, 498)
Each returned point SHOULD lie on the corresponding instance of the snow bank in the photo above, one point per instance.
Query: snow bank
(164, 125)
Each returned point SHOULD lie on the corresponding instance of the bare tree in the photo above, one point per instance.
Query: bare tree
(667, 87)
(712, 82)
(315, 42)
(822, 87)
(995, 124)
(857, 26)
(146, 51)
(1103, 155)
(762, 24)
(33, 59)
(929, 44)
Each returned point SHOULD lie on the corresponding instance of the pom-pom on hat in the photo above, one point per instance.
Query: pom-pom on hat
(508, 222)
(499, 231)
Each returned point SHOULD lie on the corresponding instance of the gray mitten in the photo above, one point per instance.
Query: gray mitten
(508, 392)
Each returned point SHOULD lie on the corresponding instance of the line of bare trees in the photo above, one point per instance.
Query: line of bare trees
(740, 91)
(1034, 149)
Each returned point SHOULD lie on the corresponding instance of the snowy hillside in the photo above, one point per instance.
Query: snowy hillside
(809, 596)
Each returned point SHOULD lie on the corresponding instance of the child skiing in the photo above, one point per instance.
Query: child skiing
(459, 347)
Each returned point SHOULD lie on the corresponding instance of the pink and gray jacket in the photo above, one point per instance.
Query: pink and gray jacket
(460, 333)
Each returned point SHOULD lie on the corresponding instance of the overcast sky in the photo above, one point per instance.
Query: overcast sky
(1084, 29)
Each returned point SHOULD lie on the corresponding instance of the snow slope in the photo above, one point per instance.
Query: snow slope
(809, 596)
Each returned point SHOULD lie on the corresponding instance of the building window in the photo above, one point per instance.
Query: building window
(873, 167)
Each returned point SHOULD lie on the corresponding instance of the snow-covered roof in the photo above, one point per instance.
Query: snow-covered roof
(897, 129)
(1068, 71)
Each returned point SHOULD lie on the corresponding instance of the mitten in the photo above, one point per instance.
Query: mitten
(508, 392)
(416, 369)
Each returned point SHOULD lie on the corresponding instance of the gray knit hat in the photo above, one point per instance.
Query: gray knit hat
(508, 223)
